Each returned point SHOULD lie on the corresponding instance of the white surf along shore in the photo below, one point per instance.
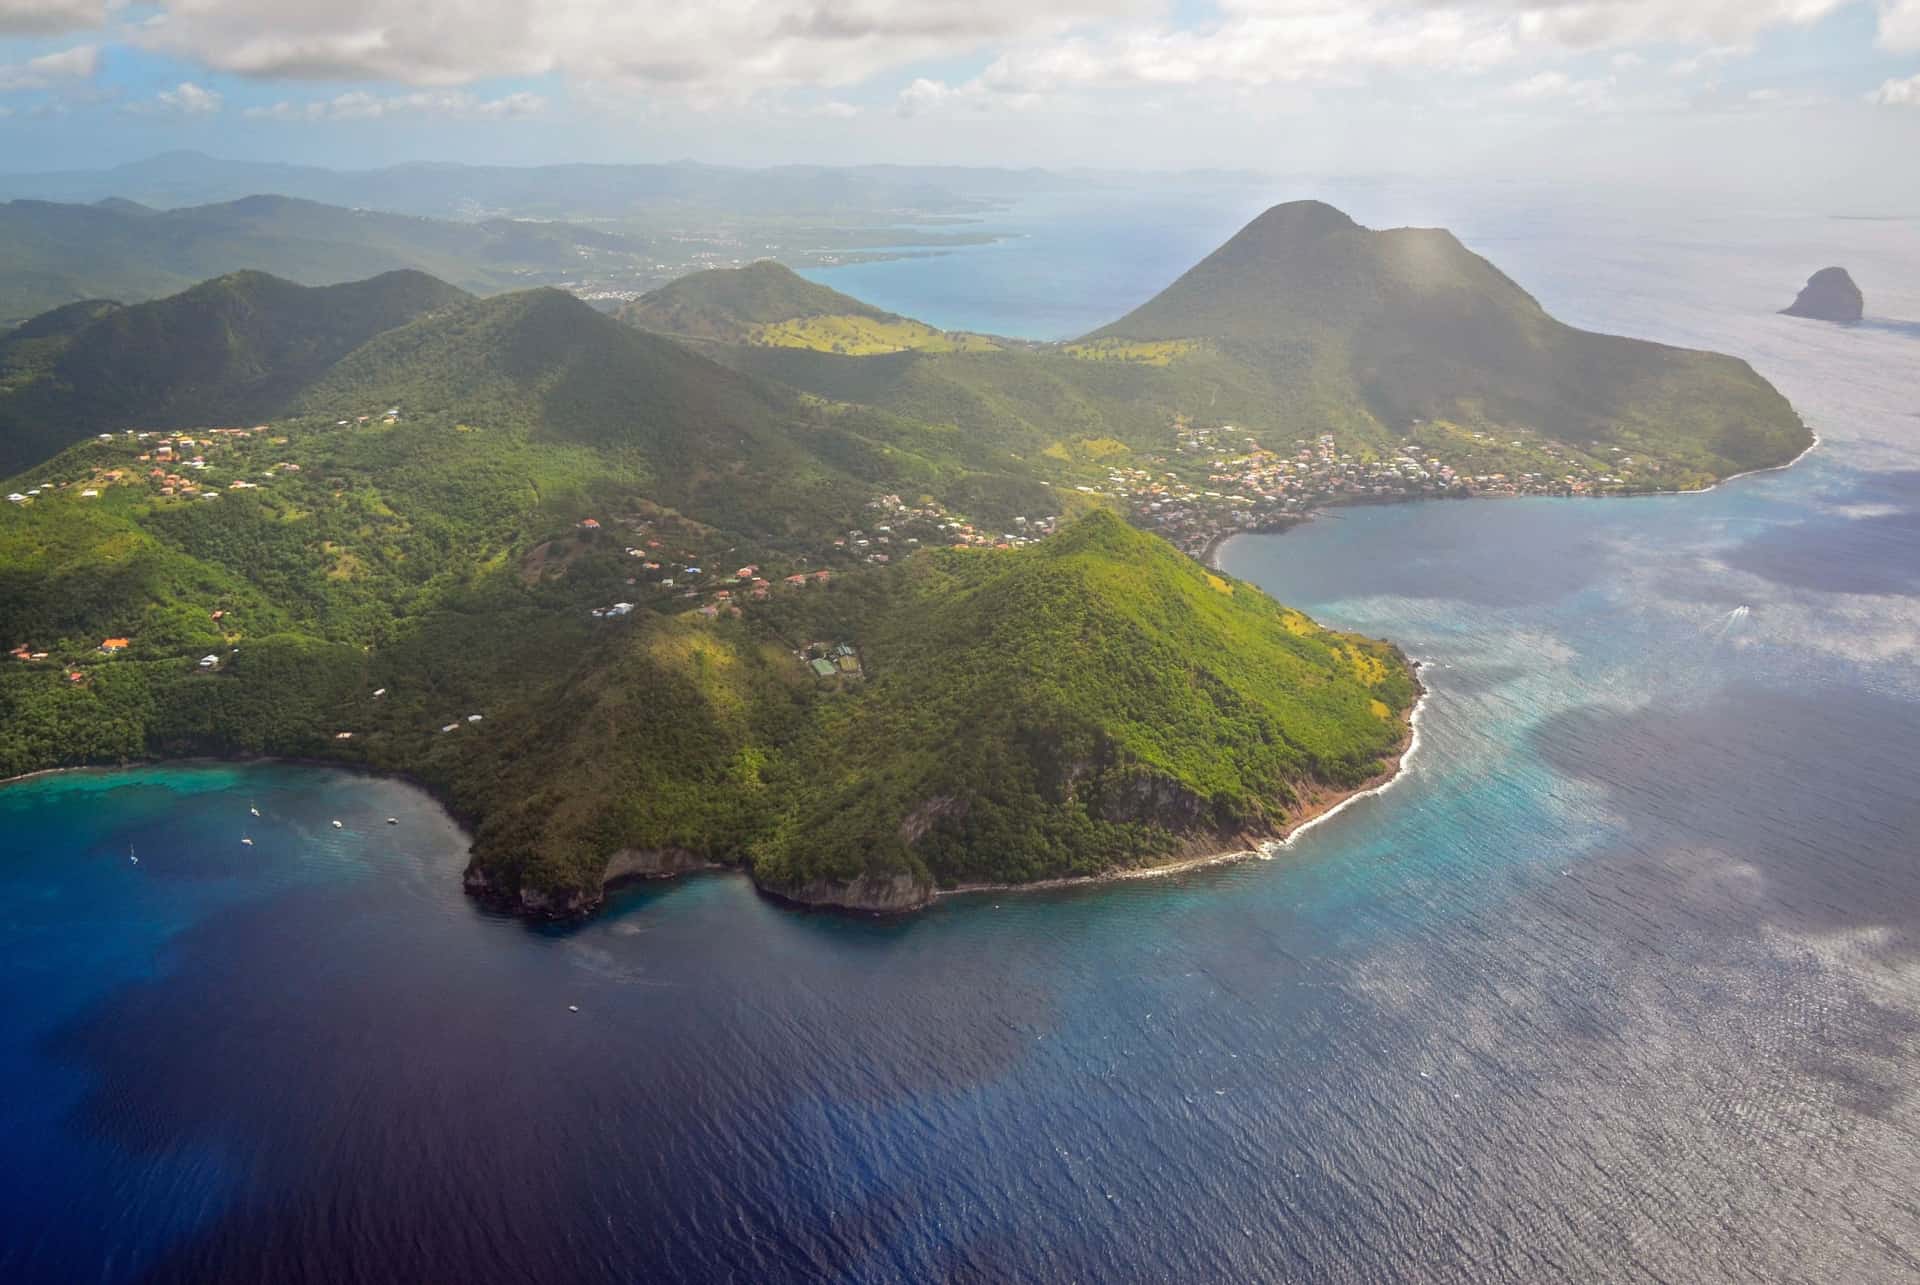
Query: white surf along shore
(1265, 851)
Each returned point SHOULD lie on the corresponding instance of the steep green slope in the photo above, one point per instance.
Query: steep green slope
(1408, 324)
(51, 254)
(543, 364)
(1094, 702)
(727, 303)
(357, 587)
(1306, 323)
(237, 348)
(1089, 704)
(769, 305)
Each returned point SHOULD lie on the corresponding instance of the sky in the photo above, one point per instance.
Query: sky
(1740, 93)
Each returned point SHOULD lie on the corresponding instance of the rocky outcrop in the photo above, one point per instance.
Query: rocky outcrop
(651, 863)
(1829, 295)
(878, 894)
(623, 866)
(560, 903)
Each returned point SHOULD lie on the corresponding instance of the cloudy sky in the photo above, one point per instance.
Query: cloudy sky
(1693, 90)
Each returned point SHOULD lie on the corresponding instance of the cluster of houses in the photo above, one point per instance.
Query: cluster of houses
(391, 415)
(1245, 485)
(907, 524)
(831, 660)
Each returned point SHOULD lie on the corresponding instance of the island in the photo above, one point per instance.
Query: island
(867, 610)
(1829, 295)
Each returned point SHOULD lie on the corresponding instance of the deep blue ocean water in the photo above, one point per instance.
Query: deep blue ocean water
(1621, 981)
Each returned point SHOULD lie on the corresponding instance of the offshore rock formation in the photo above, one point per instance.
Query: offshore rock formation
(1829, 295)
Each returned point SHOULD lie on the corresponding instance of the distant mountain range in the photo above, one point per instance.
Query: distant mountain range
(445, 190)
(51, 254)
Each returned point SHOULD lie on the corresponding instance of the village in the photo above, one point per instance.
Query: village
(1219, 481)
(669, 556)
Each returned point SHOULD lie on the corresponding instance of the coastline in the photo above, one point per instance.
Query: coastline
(1316, 811)
(1770, 468)
(1209, 556)
(1313, 814)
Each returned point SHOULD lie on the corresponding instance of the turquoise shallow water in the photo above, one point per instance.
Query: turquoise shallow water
(1619, 982)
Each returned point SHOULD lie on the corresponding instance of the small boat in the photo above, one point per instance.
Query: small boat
(573, 1008)
(393, 820)
(247, 841)
(130, 856)
(255, 811)
(336, 825)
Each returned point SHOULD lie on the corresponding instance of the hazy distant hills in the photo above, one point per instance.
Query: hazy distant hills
(230, 350)
(732, 304)
(767, 304)
(117, 249)
(445, 190)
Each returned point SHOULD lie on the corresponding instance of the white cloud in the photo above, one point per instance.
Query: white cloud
(923, 96)
(360, 105)
(1900, 25)
(1784, 98)
(49, 71)
(737, 45)
(190, 99)
(744, 46)
(1898, 93)
(1332, 42)
(1706, 58)
(48, 17)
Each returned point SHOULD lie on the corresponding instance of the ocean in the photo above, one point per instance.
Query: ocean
(1620, 981)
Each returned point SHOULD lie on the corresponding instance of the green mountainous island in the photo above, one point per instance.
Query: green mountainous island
(863, 608)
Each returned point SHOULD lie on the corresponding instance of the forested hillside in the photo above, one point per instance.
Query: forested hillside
(234, 349)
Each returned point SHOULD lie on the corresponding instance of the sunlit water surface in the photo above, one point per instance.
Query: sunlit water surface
(1619, 982)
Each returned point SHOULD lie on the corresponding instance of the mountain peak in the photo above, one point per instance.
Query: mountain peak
(726, 303)
(1299, 219)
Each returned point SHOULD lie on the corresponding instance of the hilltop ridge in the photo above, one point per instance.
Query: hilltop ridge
(238, 347)
(727, 303)
(767, 304)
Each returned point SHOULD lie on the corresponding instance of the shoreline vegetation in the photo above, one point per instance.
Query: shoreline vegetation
(1322, 807)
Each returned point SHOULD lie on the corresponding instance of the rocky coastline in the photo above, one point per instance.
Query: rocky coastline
(903, 893)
